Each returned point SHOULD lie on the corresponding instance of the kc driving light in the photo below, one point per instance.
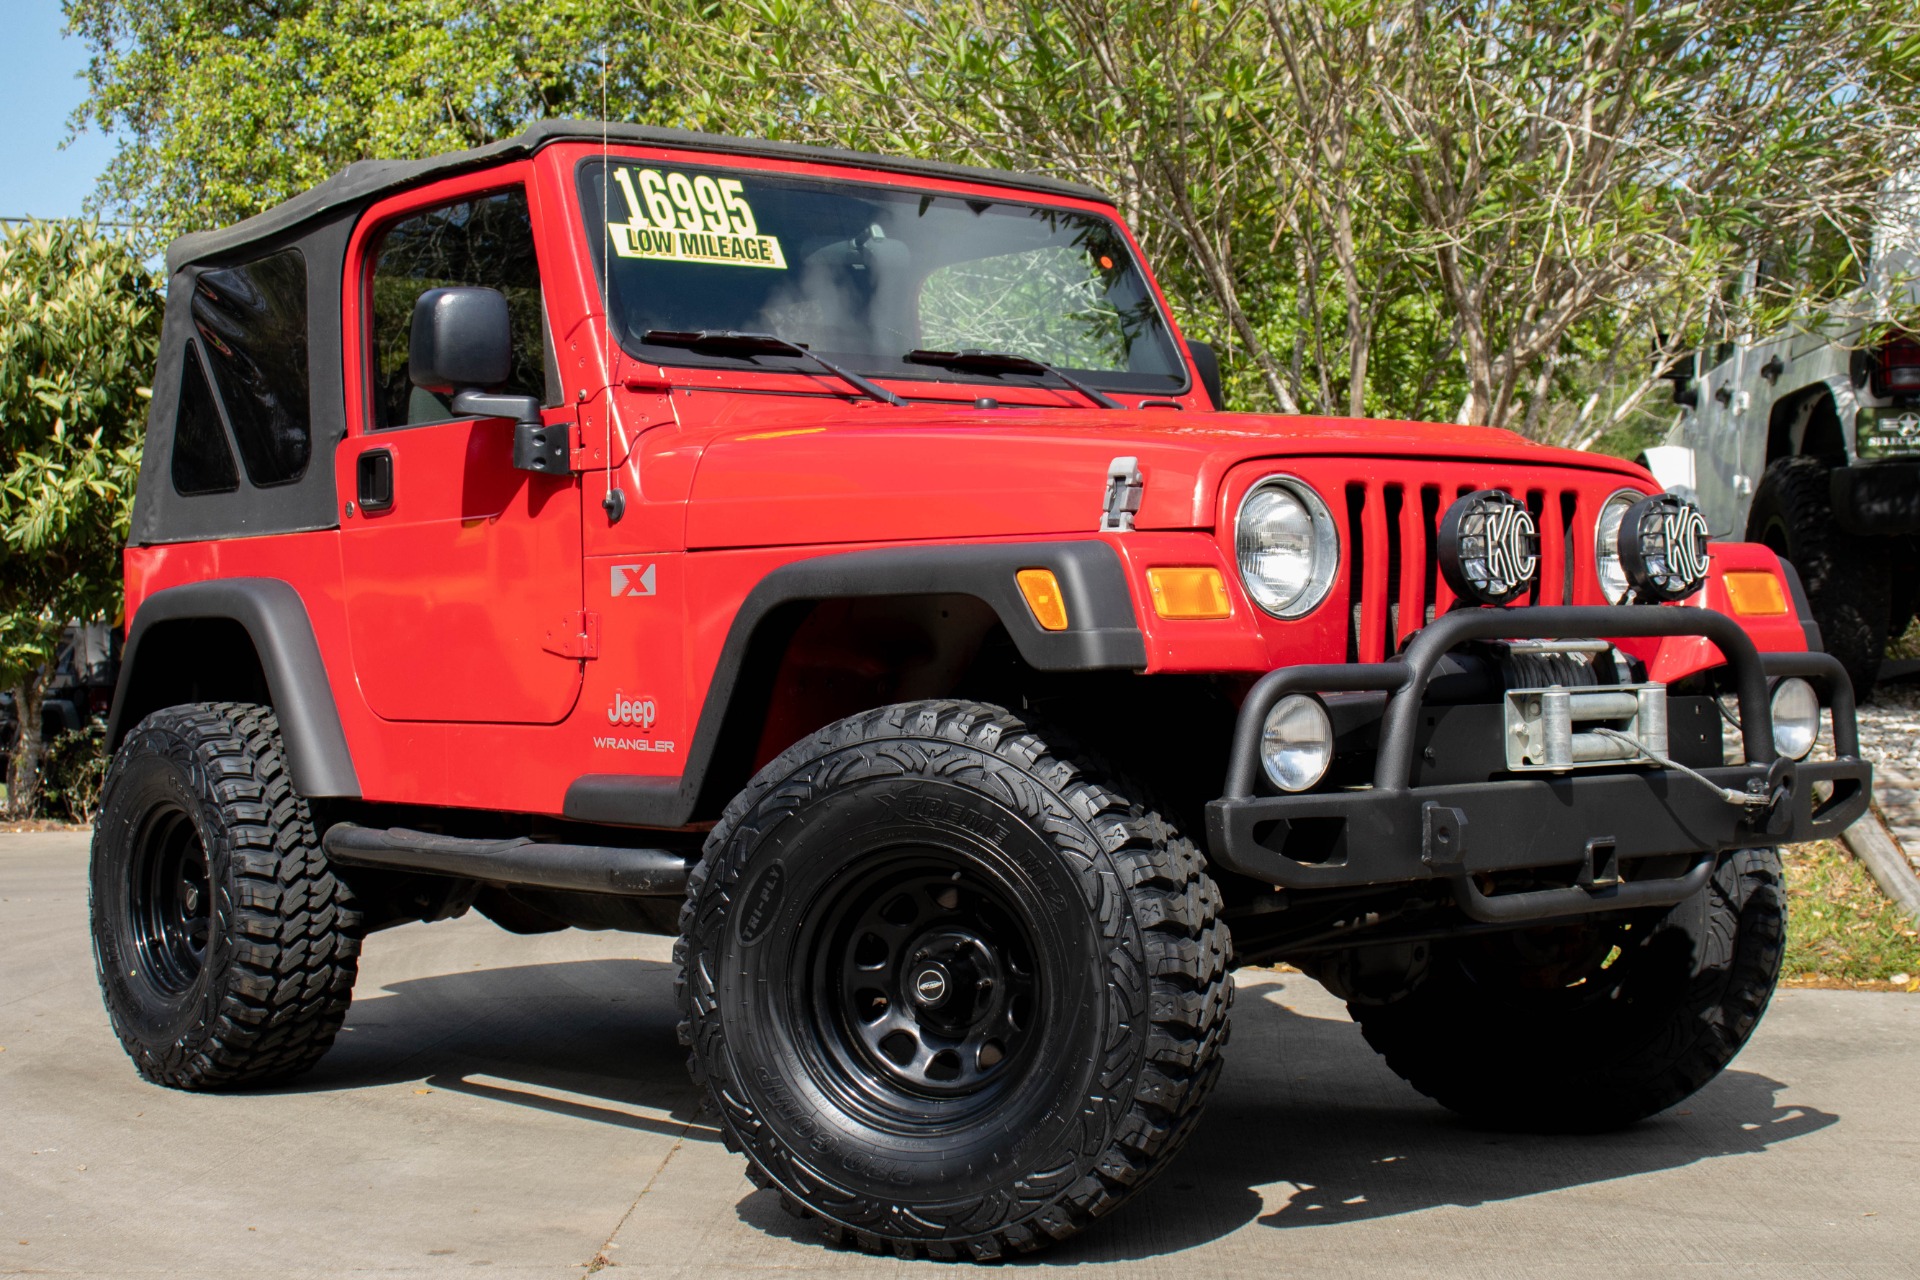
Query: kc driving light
(1286, 546)
(1796, 718)
(1606, 544)
(1663, 548)
(1296, 745)
(1489, 547)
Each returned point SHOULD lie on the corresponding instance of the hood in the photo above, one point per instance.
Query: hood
(894, 476)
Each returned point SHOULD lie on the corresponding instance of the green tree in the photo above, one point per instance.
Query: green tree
(1390, 204)
(79, 331)
(1473, 209)
(224, 107)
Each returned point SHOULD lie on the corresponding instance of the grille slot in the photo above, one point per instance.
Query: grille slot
(1393, 578)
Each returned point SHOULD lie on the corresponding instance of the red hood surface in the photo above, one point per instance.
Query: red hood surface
(892, 475)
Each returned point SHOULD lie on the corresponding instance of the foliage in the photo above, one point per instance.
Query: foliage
(1410, 208)
(224, 107)
(1393, 206)
(1841, 928)
(1908, 645)
(73, 773)
(79, 329)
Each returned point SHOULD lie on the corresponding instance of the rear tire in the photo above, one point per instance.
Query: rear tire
(1593, 1025)
(226, 949)
(946, 992)
(1848, 580)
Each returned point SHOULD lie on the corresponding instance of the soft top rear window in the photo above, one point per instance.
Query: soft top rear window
(252, 324)
(864, 273)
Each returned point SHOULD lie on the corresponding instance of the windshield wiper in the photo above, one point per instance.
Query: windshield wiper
(729, 340)
(976, 361)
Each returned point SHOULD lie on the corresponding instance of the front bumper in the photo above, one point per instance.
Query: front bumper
(1628, 837)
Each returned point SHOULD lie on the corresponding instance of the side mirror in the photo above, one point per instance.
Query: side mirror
(461, 344)
(1684, 372)
(1207, 361)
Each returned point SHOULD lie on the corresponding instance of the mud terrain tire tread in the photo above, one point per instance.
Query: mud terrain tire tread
(286, 936)
(1443, 1047)
(1171, 902)
(1848, 581)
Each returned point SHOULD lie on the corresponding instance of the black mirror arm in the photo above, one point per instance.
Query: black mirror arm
(476, 403)
(537, 446)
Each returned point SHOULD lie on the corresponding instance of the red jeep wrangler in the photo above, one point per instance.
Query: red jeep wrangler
(843, 564)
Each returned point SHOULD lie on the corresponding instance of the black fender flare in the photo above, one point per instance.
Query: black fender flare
(275, 619)
(1103, 634)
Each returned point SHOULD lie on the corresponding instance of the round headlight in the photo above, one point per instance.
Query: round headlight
(1489, 547)
(1663, 547)
(1606, 544)
(1296, 744)
(1287, 547)
(1796, 717)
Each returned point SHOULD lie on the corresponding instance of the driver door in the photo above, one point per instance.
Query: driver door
(462, 574)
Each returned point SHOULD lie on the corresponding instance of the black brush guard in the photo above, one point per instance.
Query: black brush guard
(1590, 823)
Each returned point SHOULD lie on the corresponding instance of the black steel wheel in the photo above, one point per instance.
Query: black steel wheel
(946, 992)
(919, 981)
(225, 948)
(169, 899)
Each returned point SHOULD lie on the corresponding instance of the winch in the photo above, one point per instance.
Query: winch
(1556, 728)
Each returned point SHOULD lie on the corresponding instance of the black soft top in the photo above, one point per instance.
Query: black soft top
(206, 272)
(364, 181)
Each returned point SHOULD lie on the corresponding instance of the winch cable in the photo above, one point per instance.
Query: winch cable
(1727, 794)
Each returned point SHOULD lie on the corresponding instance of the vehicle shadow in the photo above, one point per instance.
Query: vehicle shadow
(1307, 1128)
(591, 1039)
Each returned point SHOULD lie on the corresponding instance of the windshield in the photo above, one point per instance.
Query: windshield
(864, 274)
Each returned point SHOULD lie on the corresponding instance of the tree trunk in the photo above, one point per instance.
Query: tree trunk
(29, 747)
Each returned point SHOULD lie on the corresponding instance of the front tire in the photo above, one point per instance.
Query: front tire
(1591, 1026)
(946, 992)
(226, 949)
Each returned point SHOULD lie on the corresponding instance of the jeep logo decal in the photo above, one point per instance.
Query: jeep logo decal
(636, 711)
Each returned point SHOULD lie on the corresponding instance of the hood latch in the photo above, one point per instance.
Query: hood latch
(1124, 490)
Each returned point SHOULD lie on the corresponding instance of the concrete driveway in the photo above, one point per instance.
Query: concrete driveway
(519, 1105)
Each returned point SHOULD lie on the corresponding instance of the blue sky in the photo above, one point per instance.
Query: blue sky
(38, 88)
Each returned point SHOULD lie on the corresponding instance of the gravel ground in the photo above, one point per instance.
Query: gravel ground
(1890, 738)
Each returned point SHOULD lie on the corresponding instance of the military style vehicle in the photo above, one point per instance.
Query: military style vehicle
(1808, 442)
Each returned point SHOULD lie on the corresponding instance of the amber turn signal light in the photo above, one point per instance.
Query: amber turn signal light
(1189, 593)
(1042, 591)
(1755, 593)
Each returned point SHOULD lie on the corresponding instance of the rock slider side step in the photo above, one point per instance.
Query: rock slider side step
(584, 868)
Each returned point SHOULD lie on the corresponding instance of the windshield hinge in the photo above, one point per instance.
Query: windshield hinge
(1124, 489)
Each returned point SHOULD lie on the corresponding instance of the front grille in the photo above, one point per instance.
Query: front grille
(1394, 583)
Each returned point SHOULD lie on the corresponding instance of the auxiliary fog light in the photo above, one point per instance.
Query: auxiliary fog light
(1796, 718)
(1296, 746)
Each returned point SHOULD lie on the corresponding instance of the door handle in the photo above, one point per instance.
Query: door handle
(375, 474)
